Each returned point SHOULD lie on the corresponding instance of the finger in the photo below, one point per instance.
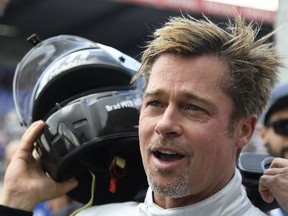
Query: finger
(276, 171)
(264, 189)
(267, 196)
(279, 163)
(30, 136)
(65, 187)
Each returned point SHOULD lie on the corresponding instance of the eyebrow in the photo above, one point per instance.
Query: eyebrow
(194, 96)
(186, 94)
(153, 93)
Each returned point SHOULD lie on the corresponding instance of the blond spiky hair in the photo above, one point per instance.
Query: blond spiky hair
(253, 63)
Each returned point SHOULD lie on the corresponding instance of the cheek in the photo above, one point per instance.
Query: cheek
(278, 142)
(143, 132)
(143, 146)
(206, 137)
(274, 140)
(146, 126)
(213, 145)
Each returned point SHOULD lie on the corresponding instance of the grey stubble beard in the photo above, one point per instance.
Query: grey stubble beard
(178, 188)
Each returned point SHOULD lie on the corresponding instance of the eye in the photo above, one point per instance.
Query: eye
(154, 103)
(193, 107)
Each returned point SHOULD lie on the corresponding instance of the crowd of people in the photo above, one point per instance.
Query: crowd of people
(205, 88)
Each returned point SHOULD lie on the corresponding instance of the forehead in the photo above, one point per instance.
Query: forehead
(281, 114)
(204, 73)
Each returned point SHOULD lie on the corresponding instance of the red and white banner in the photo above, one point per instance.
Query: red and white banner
(211, 8)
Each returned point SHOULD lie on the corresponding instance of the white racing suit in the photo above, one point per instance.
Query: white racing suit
(229, 201)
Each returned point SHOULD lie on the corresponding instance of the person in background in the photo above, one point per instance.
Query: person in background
(205, 87)
(273, 124)
(273, 127)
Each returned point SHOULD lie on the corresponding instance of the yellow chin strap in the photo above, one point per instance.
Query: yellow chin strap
(89, 204)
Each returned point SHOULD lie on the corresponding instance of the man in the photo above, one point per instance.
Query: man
(273, 126)
(205, 87)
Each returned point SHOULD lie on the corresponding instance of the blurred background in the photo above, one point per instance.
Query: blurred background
(123, 24)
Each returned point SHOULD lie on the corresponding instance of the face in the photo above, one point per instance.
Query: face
(185, 148)
(277, 145)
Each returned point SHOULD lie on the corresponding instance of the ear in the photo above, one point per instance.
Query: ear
(244, 130)
(262, 132)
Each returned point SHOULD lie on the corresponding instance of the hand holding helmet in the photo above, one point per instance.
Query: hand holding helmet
(83, 92)
(25, 173)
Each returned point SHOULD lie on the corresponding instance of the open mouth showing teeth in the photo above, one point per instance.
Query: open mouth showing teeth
(167, 155)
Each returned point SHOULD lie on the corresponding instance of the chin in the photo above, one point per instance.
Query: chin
(169, 187)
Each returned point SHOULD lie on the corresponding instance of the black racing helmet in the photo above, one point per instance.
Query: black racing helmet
(83, 91)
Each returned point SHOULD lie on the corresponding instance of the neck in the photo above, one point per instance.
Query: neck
(169, 202)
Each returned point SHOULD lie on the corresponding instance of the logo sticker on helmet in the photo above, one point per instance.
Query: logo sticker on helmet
(120, 105)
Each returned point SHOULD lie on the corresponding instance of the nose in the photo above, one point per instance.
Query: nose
(169, 124)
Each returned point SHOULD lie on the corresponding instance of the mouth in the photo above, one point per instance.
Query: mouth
(167, 155)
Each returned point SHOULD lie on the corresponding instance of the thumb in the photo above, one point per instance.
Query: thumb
(65, 187)
(267, 196)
